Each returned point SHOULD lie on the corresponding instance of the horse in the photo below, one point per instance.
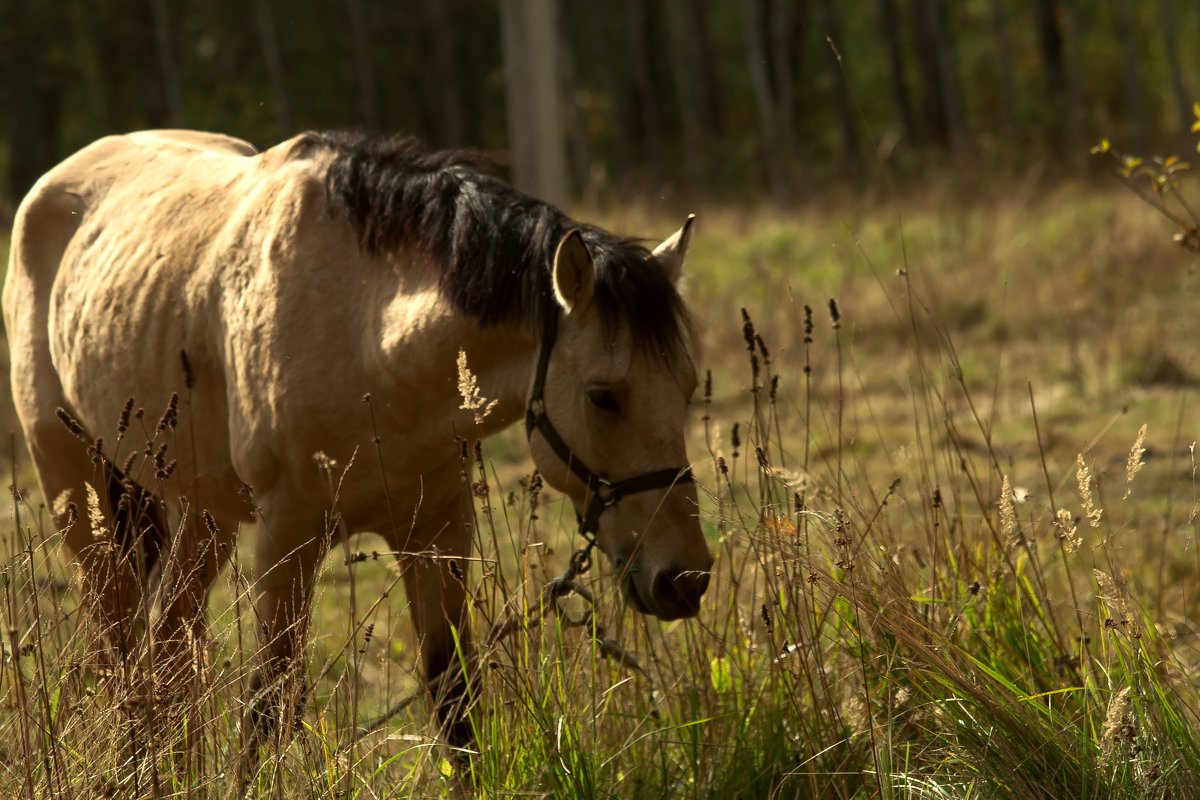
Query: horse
(260, 297)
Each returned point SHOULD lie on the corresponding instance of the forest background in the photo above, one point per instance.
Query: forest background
(736, 100)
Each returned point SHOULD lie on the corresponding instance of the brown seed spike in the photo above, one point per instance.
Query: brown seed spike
(834, 314)
(72, 425)
(123, 420)
(762, 349)
(748, 330)
(170, 415)
(189, 377)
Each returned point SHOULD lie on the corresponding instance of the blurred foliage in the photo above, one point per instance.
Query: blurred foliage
(656, 94)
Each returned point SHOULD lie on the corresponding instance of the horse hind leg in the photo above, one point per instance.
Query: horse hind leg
(109, 584)
(110, 544)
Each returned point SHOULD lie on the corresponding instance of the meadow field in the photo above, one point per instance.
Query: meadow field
(947, 463)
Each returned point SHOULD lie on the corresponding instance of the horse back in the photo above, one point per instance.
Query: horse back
(114, 254)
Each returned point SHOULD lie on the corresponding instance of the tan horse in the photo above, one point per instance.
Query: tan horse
(270, 292)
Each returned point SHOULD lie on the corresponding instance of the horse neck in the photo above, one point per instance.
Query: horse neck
(420, 337)
(502, 361)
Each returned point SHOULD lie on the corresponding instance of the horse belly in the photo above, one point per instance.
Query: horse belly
(125, 314)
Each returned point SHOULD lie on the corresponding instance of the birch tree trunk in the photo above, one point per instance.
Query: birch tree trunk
(539, 158)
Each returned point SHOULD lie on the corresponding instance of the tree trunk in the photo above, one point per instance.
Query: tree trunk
(644, 85)
(779, 33)
(28, 141)
(274, 63)
(1167, 19)
(165, 53)
(768, 130)
(684, 61)
(539, 157)
(706, 77)
(889, 22)
(843, 102)
(1051, 44)
(446, 49)
(1008, 95)
(580, 149)
(599, 51)
(368, 106)
(1136, 107)
(1076, 105)
(936, 60)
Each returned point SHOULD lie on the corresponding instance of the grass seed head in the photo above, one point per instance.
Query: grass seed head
(1083, 477)
(1119, 729)
(1008, 512)
(95, 515)
(123, 420)
(170, 415)
(468, 389)
(72, 425)
(1067, 527)
(1135, 463)
(189, 377)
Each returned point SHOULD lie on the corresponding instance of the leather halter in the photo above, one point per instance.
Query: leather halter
(604, 493)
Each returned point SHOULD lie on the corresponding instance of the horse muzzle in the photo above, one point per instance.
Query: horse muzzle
(668, 594)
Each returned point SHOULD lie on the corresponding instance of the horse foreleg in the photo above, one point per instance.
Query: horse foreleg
(434, 584)
(180, 584)
(286, 567)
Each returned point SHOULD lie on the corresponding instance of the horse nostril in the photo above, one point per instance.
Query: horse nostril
(681, 588)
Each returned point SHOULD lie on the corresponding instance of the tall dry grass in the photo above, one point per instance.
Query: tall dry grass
(948, 562)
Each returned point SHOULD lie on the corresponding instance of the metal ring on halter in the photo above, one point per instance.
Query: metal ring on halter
(581, 560)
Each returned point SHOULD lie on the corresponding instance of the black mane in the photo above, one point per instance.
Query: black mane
(493, 244)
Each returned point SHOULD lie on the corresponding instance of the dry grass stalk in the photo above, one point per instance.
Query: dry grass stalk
(1135, 463)
(1083, 477)
(472, 401)
(1118, 728)
(1008, 513)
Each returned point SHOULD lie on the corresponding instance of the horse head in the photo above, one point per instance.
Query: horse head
(606, 422)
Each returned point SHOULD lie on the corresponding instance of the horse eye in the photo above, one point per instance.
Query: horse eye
(605, 400)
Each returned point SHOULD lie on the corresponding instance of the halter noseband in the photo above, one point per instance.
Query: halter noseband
(604, 493)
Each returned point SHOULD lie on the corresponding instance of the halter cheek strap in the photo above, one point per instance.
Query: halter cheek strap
(604, 494)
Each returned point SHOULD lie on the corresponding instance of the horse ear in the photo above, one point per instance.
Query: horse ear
(574, 272)
(670, 253)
